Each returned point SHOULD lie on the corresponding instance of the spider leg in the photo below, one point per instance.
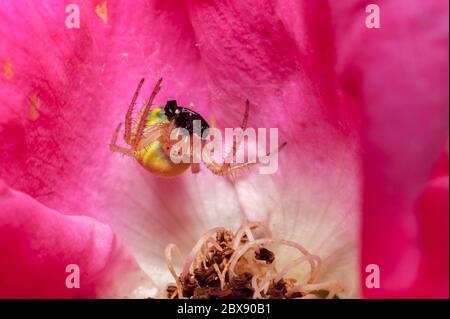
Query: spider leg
(165, 136)
(143, 118)
(238, 140)
(128, 119)
(212, 122)
(152, 133)
(223, 169)
(115, 148)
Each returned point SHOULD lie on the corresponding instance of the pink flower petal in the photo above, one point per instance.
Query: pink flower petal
(64, 100)
(70, 90)
(432, 210)
(39, 243)
(398, 76)
(71, 87)
(281, 57)
(278, 55)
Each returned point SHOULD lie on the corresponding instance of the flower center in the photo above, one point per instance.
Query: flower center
(240, 265)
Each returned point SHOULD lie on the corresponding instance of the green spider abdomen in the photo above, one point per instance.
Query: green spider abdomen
(153, 158)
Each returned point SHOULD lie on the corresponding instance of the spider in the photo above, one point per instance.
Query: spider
(149, 137)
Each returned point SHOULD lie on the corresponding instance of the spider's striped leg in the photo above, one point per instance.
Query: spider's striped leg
(230, 169)
(237, 141)
(128, 119)
(144, 115)
(225, 167)
(115, 148)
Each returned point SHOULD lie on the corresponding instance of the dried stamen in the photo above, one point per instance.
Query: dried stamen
(226, 265)
(265, 254)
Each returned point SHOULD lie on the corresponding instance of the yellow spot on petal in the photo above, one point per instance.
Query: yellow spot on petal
(7, 69)
(102, 11)
(35, 105)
